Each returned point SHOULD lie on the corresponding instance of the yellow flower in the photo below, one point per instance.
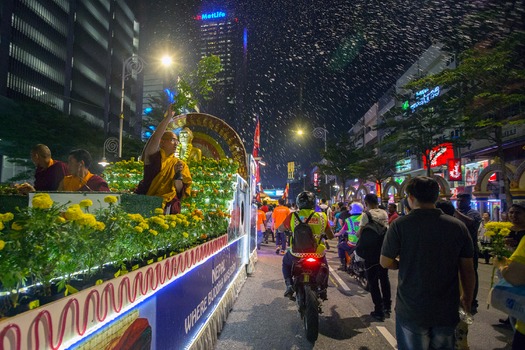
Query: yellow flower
(100, 226)
(165, 226)
(159, 211)
(2, 244)
(60, 220)
(185, 234)
(110, 199)
(74, 212)
(16, 226)
(6, 217)
(87, 220)
(42, 201)
(1, 226)
(153, 232)
(138, 229)
(85, 203)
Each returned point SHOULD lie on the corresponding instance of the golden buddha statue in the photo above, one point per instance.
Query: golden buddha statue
(185, 150)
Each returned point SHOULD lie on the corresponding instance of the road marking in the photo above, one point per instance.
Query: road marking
(389, 338)
(339, 280)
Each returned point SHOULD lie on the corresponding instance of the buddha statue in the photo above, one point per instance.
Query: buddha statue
(185, 149)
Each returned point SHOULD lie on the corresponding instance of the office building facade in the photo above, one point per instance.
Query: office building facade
(222, 34)
(69, 54)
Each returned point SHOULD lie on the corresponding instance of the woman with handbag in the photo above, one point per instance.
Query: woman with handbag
(513, 268)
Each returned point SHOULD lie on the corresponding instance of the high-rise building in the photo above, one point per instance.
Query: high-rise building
(222, 34)
(70, 54)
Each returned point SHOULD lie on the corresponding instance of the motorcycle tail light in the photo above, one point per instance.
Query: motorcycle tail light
(311, 260)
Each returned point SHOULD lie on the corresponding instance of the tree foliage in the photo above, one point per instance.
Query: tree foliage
(486, 90)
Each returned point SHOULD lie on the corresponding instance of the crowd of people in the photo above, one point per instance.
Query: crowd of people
(434, 244)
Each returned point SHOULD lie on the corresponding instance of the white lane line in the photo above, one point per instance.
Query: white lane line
(339, 280)
(389, 338)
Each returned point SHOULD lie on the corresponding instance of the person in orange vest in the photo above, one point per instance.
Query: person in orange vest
(280, 213)
(261, 225)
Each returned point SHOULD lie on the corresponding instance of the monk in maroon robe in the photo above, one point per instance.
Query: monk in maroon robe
(81, 179)
(49, 172)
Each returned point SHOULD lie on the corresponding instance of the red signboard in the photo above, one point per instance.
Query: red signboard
(439, 155)
(454, 169)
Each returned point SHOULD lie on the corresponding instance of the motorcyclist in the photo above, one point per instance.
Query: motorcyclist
(347, 234)
(319, 224)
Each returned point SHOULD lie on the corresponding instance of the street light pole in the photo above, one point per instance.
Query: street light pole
(132, 65)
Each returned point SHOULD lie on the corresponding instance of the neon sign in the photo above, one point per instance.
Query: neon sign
(210, 16)
(424, 96)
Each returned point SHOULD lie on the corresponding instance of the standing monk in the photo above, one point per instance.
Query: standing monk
(165, 175)
(48, 173)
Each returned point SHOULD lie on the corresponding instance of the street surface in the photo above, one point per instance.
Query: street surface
(263, 319)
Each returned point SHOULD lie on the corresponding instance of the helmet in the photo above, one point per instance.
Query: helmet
(356, 208)
(305, 200)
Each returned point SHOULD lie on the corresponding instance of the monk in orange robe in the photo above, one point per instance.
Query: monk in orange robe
(81, 179)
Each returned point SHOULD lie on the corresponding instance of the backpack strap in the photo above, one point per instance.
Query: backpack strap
(369, 216)
(308, 220)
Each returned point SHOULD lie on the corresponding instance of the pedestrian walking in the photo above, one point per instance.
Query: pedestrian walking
(429, 248)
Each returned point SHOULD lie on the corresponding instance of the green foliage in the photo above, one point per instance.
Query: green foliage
(191, 90)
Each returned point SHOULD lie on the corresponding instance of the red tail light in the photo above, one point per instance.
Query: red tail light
(311, 260)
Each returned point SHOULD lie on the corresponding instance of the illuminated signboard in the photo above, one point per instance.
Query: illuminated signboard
(316, 179)
(424, 96)
(210, 16)
(439, 155)
(454, 169)
(403, 165)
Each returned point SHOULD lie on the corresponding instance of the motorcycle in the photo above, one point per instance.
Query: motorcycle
(308, 274)
(358, 271)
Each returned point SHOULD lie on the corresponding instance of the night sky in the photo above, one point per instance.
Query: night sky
(343, 55)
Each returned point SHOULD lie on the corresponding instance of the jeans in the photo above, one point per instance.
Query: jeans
(343, 247)
(413, 337)
(280, 240)
(259, 239)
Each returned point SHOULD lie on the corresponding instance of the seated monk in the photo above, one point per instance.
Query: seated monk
(49, 172)
(81, 179)
(185, 149)
(165, 175)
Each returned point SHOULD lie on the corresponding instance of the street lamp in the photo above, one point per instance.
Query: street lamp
(131, 66)
(110, 145)
(319, 133)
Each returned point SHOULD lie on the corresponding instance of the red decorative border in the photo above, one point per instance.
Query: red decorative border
(98, 299)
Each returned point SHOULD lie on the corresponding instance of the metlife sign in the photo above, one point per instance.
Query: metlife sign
(211, 16)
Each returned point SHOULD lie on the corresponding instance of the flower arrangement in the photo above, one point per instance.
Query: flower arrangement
(124, 176)
(497, 232)
(49, 244)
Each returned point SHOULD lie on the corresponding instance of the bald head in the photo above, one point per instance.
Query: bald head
(41, 150)
(41, 155)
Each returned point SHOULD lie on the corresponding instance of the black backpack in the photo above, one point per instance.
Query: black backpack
(371, 241)
(303, 239)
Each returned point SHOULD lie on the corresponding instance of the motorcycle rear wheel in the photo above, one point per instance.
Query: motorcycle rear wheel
(311, 315)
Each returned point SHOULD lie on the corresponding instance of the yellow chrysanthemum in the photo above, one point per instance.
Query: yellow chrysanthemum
(144, 225)
(138, 229)
(110, 199)
(42, 201)
(60, 220)
(165, 226)
(6, 217)
(158, 211)
(73, 213)
(157, 220)
(153, 232)
(185, 234)
(16, 226)
(87, 220)
(1, 226)
(86, 203)
(2, 244)
(100, 226)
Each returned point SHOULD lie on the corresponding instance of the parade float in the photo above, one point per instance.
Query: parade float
(111, 271)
